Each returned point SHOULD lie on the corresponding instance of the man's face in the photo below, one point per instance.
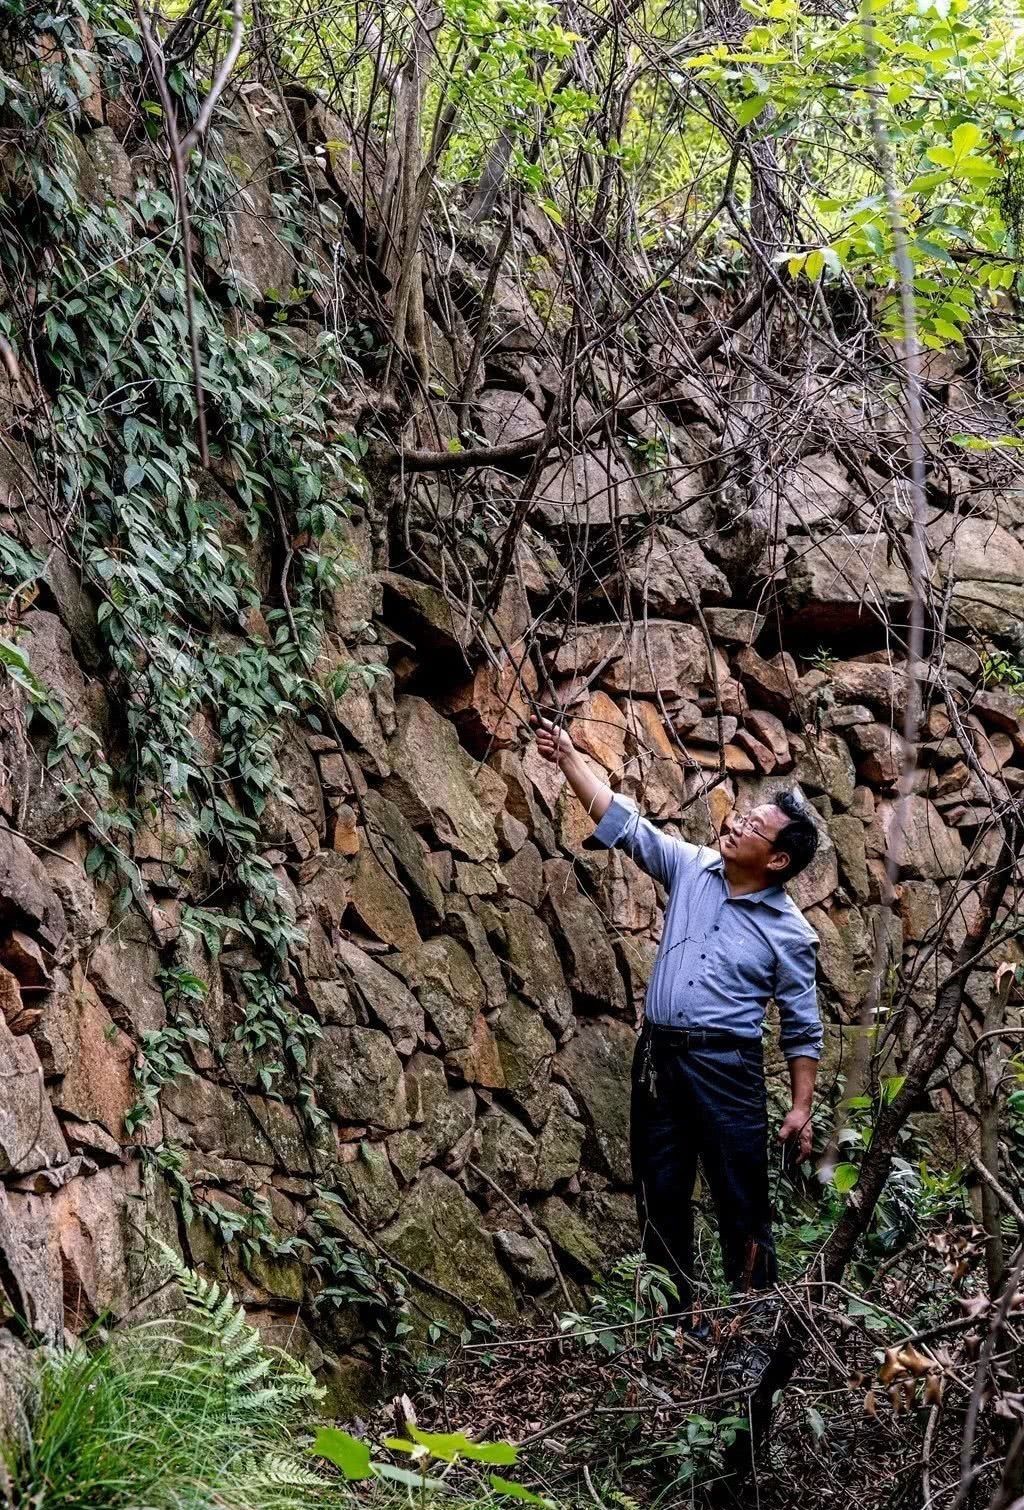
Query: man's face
(749, 841)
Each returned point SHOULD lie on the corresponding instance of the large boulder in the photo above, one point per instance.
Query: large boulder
(491, 708)
(27, 899)
(438, 1234)
(836, 963)
(507, 417)
(560, 1141)
(771, 683)
(624, 893)
(427, 617)
(30, 1138)
(595, 1065)
(450, 990)
(386, 998)
(506, 1151)
(123, 967)
(53, 661)
(380, 903)
(534, 966)
(105, 170)
(995, 608)
(975, 550)
(584, 937)
(441, 1117)
(367, 1181)
(880, 686)
(359, 1078)
(668, 574)
(598, 728)
(32, 1284)
(254, 252)
(818, 497)
(591, 488)
(847, 833)
(251, 1129)
(435, 782)
(881, 753)
(930, 850)
(658, 656)
(572, 1236)
(654, 777)
(97, 1085)
(845, 583)
(294, 816)
(524, 1044)
(825, 765)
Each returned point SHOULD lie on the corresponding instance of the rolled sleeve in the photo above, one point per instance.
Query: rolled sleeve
(623, 827)
(796, 996)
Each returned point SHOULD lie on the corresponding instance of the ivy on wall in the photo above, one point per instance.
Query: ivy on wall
(94, 315)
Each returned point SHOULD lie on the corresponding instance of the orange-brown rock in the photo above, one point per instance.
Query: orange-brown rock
(598, 728)
(761, 754)
(491, 709)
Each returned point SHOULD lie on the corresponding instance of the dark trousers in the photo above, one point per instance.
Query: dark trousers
(705, 1103)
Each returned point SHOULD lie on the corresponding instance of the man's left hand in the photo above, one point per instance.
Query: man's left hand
(798, 1132)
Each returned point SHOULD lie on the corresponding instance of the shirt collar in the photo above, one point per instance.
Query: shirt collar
(771, 896)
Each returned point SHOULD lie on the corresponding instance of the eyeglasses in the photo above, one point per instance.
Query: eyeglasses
(747, 823)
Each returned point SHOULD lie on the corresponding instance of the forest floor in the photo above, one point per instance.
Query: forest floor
(624, 1413)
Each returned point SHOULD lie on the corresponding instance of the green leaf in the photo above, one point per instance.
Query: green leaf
(891, 1087)
(925, 182)
(133, 475)
(346, 1452)
(749, 109)
(965, 138)
(814, 265)
(514, 1491)
(454, 1444)
(405, 1476)
(844, 1177)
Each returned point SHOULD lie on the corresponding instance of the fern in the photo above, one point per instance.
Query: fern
(258, 1380)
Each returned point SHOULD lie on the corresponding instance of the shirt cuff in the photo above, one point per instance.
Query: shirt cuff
(613, 823)
(809, 1050)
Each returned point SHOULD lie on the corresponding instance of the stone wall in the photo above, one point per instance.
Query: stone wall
(476, 969)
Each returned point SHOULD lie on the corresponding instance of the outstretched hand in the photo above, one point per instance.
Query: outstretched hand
(553, 743)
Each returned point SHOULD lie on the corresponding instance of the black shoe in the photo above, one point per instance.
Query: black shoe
(745, 1366)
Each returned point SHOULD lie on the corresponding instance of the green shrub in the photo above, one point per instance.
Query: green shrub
(187, 1413)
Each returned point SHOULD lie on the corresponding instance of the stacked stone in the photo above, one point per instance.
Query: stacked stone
(476, 970)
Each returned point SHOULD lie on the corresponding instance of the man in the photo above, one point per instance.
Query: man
(732, 940)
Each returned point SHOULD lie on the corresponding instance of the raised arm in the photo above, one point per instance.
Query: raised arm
(618, 822)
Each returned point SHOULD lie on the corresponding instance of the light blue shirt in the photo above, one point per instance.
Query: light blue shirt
(721, 958)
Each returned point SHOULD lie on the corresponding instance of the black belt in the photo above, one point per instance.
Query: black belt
(698, 1038)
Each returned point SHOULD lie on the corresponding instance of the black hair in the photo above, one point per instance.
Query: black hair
(799, 839)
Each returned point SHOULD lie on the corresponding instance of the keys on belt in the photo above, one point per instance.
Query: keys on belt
(680, 1039)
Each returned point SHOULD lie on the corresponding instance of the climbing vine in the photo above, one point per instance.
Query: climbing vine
(209, 650)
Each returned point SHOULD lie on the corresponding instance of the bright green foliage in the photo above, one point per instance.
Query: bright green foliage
(187, 1413)
(348, 1454)
(698, 1450)
(354, 1461)
(943, 78)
